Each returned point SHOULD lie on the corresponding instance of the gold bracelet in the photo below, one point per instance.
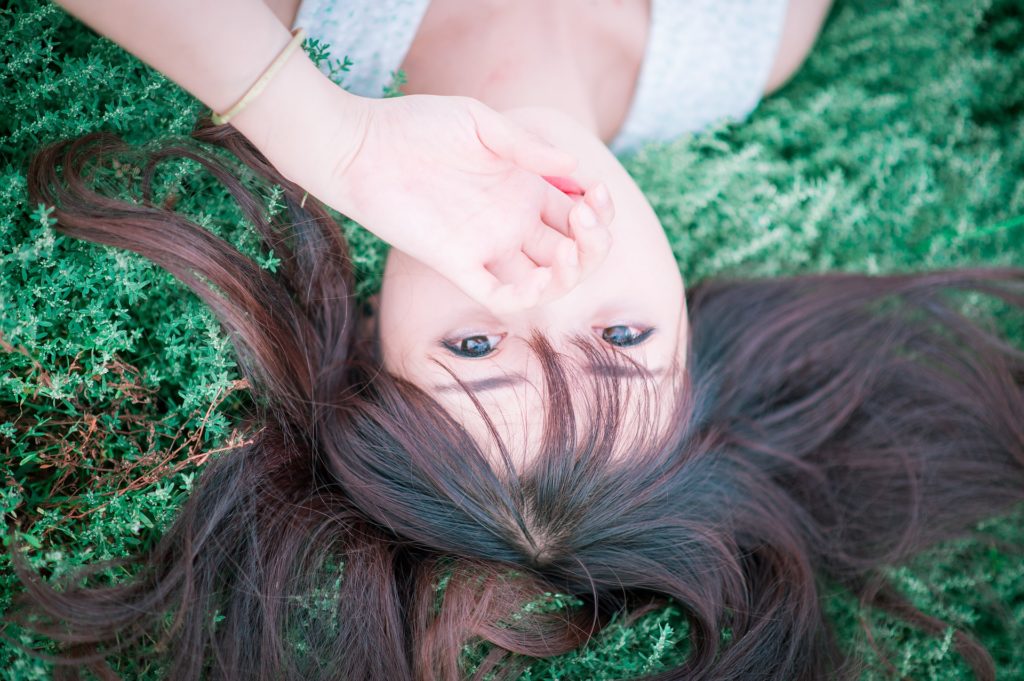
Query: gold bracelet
(298, 35)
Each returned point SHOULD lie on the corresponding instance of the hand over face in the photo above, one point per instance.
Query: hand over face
(457, 186)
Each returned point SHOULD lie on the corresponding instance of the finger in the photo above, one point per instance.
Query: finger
(527, 280)
(554, 210)
(526, 293)
(600, 200)
(524, 148)
(556, 206)
(550, 248)
(512, 268)
(593, 240)
(560, 255)
(500, 297)
(536, 155)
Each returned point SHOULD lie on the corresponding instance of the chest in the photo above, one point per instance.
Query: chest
(582, 56)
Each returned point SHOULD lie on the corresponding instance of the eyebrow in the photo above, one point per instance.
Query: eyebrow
(510, 380)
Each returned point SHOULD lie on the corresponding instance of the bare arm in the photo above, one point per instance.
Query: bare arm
(215, 51)
(804, 19)
(422, 172)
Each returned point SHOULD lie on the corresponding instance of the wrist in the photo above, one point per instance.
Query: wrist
(307, 126)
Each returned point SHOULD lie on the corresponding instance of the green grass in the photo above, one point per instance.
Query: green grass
(899, 146)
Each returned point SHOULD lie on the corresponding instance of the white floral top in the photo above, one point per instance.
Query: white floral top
(705, 60)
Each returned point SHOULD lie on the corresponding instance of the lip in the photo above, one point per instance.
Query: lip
(566, 185)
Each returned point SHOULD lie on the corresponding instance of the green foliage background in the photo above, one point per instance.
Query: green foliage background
(899, 146)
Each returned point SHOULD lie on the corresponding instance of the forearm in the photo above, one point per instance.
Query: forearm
(216, 51)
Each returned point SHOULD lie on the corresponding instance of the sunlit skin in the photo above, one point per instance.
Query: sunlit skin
(633, 302)
(566, 71)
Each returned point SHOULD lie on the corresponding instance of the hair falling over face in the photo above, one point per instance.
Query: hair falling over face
(826, 426)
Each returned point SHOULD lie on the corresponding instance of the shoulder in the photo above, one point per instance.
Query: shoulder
(803, 22)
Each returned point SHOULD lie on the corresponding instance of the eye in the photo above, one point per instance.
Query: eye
(473, 347)
(623, 336)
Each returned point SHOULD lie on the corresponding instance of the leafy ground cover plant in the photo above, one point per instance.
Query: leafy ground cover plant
(899, 146)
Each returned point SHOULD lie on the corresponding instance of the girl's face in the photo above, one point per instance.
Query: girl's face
(633, 302)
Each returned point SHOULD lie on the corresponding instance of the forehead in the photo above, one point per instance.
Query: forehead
(510, 415)
(623, 371)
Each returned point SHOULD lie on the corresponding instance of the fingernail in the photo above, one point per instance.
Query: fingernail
(587, 216)
(601, 197)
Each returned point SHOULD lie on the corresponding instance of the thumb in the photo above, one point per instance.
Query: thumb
(526, 149)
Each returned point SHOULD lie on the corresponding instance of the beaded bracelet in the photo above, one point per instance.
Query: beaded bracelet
(298, 35)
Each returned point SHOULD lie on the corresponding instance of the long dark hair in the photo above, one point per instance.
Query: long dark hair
(824, 426)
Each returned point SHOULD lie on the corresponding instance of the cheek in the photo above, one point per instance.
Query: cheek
(417, 307)
(683, 347)
(412, 288)
(391, 356)
(394, 353)
(397, 320)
